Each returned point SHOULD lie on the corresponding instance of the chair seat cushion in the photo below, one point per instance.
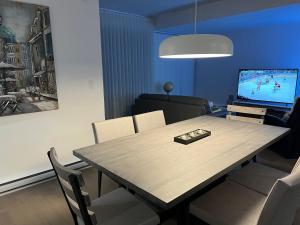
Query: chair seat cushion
(257, 177)
(274, 160)
(119, 207)
(229, 204)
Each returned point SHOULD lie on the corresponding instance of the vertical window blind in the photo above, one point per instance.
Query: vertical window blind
(127, 42)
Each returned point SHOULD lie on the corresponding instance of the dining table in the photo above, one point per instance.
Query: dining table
(166, 173)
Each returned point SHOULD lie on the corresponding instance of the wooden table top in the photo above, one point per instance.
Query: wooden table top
(166, 172)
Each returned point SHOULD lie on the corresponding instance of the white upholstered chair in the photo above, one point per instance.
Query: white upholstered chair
(118, 207)
(272, 159)
(234, 204)
(149, 121)
(108, 130)
(112, 129)
(259, 177)
(290, 144)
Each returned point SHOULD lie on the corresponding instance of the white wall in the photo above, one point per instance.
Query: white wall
(25, 139)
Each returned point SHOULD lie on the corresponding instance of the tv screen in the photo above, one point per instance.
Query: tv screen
(268, 85)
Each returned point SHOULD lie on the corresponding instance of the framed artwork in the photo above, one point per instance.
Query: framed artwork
(27, 71)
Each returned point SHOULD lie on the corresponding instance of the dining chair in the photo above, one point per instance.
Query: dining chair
(273, 159)
(118, 207)
(233, 204)
(258, 116)
(108, 130)
(149, 121)
(112, 129)
(259, 177)
(246, 114)
(284, 152)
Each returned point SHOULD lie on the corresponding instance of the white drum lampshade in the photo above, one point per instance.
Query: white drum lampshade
(196, 46)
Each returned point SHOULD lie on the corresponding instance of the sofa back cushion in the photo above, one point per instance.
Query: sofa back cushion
(176, 108)
(174, 112)
(159, 97)
(188, 100)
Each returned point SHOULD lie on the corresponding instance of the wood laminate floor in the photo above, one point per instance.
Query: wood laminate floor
(43, 204)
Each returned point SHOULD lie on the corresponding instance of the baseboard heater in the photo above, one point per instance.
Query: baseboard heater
(33, 179)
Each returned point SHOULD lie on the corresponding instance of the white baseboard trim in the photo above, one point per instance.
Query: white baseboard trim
(29, 181)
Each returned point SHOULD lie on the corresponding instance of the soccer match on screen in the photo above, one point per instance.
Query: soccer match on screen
(268, 85)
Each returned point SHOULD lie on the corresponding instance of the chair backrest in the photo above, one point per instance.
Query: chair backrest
(71, 182)
(149, 121)
(111, 129)
(296, 166)
(246, 114)
(296, 106)
(294, 118)
(282, 202)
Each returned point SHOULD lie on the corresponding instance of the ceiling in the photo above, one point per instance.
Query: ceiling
(275, 16)
(145, 7)
(154, 8)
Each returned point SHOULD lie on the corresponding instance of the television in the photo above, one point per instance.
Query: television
(268, 85)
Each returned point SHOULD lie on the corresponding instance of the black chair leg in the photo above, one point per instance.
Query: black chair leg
(99, 183)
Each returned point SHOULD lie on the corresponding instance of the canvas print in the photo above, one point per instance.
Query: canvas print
(27, 74)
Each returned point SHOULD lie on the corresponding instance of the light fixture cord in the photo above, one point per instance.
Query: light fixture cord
(196, 16)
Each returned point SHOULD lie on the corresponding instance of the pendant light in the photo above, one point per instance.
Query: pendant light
(196, 45)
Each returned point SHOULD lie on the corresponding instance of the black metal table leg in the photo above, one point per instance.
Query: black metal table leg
(183, 215)
(245, 163)
(99, 182)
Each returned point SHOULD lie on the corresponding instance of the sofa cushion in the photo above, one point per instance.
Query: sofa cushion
(190, 100)
(159, 97)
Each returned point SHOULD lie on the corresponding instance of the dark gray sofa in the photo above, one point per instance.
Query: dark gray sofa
(176, 108)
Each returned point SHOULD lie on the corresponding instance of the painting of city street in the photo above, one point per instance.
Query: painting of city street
(27, 74)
